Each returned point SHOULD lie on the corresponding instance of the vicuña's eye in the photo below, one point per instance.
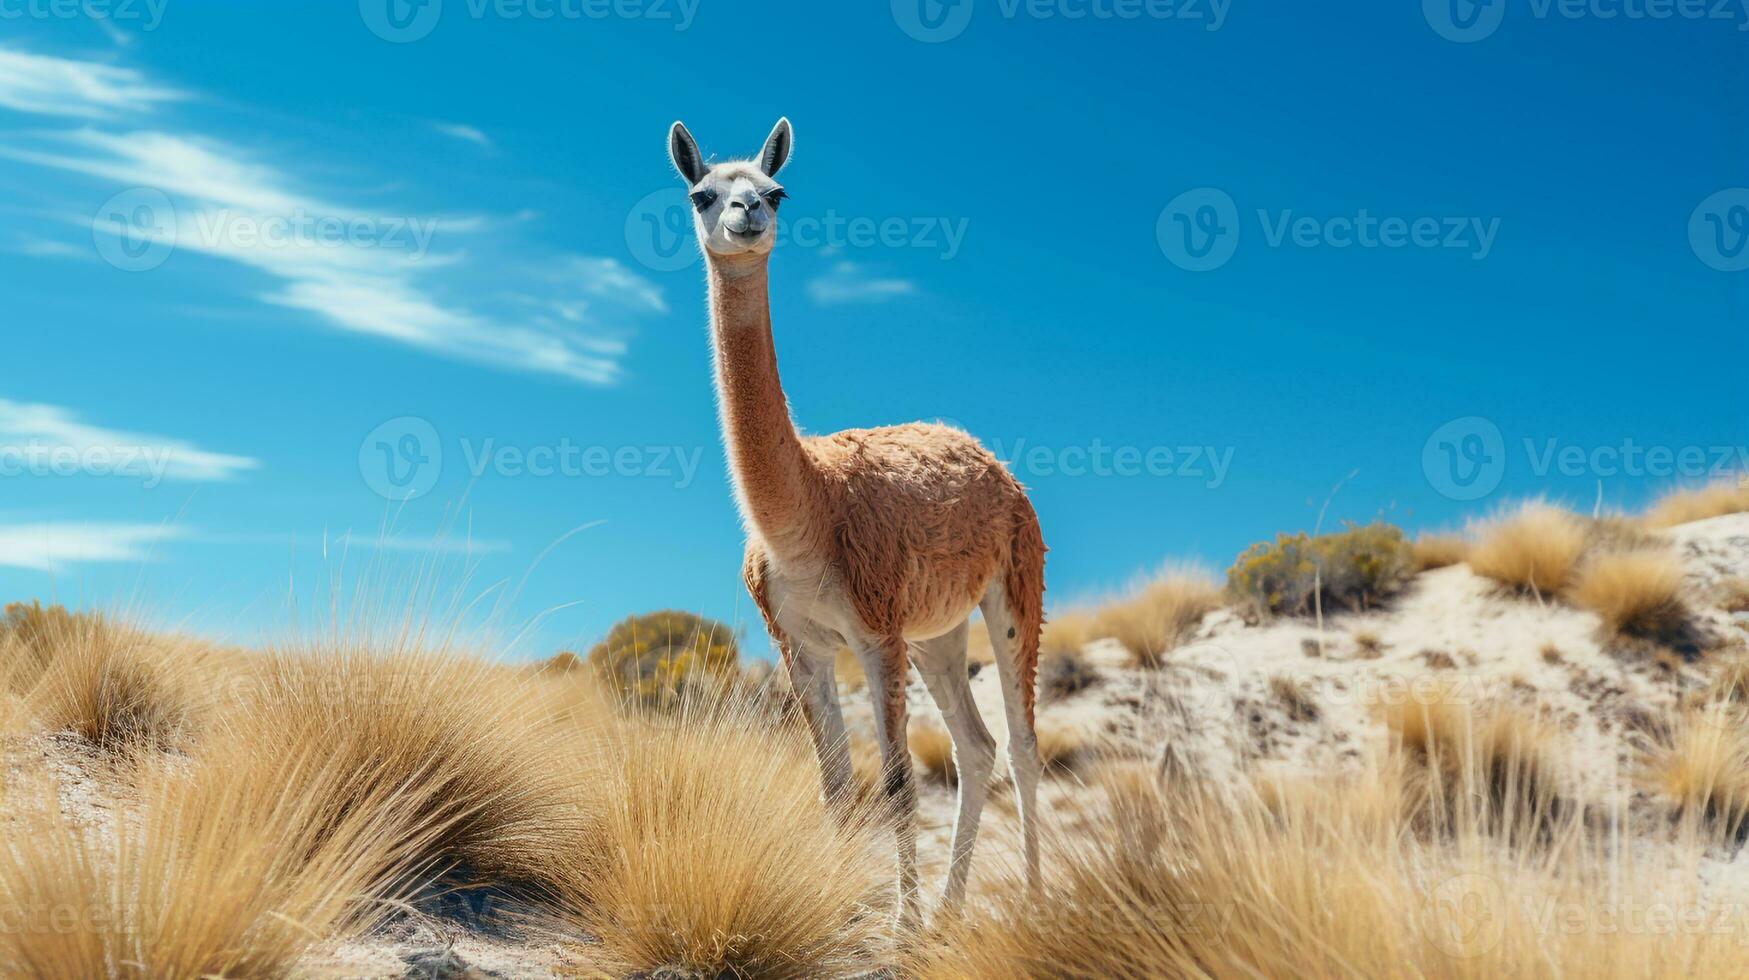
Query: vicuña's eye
(776, 196)
(703, 199)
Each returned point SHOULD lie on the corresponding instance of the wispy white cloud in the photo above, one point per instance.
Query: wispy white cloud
(848, 282)
(52, 546)
(465, 133)
(83, 89)
(361, 270)
(46, 248)
(47, 440)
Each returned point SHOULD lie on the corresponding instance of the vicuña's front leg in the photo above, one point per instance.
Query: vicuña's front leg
(812, 676)
(885, 665)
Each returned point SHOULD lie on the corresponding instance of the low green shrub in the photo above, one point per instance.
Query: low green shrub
(655, 659)
(1355, 569)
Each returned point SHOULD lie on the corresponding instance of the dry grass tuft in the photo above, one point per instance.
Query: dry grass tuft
(233, 869)
(1636, 593)
(1430, 551)
(1068, 632)
(478, 750)
(1730, 681)
(111, 684)
(1063, 674)
(1733, 595)
(1320, 877)
(1294, 698)
(1494, 768)
(932, 747)
(1702, 768)
(1160, 615)
(1060, 747)
(1368, 645)
(1686, 505)
(1534, 549)
(709, 853)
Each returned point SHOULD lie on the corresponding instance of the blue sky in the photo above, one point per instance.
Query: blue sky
(270, 268)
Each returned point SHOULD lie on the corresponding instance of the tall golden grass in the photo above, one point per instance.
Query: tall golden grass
(1366, 875)
(1431, 551)
(233, 869)
(708, 852)
(1535, 548)
(1702, 769)
(112, 684)
(1157, 616)
(1685, 505)
(1638, 593)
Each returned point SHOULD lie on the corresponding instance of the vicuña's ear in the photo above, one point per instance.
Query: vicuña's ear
(776, 151)
(684, 152)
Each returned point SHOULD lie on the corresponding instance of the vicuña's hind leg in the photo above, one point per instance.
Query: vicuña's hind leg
(942, 662)
(885, 665)
(1023, 760)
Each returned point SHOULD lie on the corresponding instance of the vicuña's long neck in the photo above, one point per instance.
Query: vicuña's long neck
(774, 479)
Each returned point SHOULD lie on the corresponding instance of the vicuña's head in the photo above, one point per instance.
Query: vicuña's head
(734, 204)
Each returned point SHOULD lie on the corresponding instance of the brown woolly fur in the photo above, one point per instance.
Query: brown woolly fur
(1683, 506)
(1534, 549)
(709, 853)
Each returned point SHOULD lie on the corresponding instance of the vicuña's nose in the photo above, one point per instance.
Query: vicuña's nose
(751, 207)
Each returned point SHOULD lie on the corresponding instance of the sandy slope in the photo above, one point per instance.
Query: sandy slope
(1214, 709)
